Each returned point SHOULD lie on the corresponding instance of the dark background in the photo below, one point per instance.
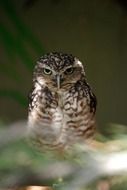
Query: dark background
(95, 31)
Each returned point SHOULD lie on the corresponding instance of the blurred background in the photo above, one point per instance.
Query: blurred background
(95, 31)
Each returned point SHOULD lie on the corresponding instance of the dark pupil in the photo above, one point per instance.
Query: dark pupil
(69, 71)
(47, 71)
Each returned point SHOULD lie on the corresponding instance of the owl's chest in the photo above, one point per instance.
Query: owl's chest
(71, 117)
(60, 118)
(58, 112)
(68, 108)
(71, 103)
(66, 103)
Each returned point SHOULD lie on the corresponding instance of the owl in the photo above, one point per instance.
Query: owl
(61, 103)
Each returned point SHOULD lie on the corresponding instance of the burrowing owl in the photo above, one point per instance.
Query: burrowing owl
(61, 103)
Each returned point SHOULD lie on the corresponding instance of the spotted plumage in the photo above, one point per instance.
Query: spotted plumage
(61, 103)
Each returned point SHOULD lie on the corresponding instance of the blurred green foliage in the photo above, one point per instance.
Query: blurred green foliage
(16, 45)
(18, 159)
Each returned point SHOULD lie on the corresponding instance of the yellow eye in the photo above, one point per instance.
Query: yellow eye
(47, 71)
(69, 71)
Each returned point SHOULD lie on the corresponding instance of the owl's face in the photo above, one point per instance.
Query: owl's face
(58, 71)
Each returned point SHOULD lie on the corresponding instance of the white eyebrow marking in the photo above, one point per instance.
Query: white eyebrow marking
(78, 62)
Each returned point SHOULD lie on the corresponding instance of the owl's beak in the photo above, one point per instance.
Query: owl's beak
(58, 81)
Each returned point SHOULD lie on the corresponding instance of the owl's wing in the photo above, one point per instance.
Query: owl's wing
(93, 102)
(92, 97)
(32, 98)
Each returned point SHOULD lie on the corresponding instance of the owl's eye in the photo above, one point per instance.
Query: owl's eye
(47, 71)
(69, 71)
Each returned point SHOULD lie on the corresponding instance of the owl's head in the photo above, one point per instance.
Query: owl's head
(58, 70)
